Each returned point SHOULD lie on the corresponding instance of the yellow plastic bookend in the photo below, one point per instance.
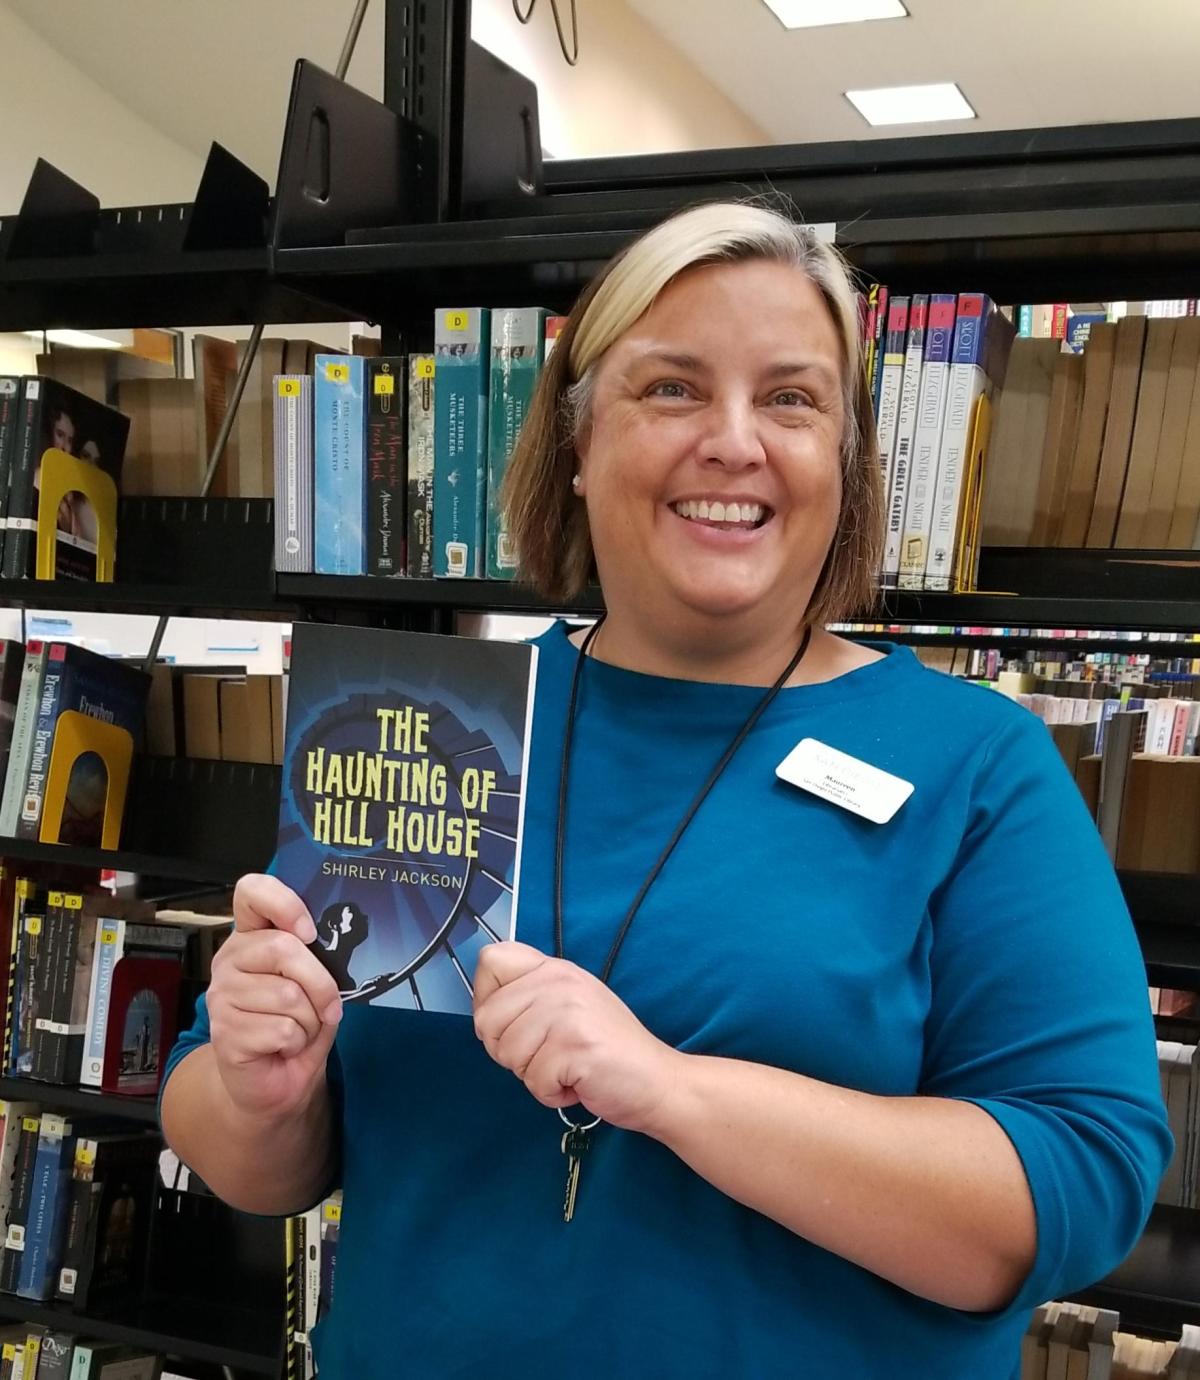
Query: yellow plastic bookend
(63, 474)
(76, 735)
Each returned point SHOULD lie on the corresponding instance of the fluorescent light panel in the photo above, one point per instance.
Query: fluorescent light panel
(911, 105)
(86, 340)
(811, 14)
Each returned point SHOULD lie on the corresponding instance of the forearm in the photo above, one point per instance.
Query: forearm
(271, 1166)
(926, 1192)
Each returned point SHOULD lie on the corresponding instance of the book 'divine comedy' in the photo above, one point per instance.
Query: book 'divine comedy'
(402, 805)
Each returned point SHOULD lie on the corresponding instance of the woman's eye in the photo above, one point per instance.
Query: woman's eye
(668, 388)
(792, 397)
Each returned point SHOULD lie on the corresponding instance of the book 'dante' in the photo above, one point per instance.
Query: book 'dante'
(402, 805)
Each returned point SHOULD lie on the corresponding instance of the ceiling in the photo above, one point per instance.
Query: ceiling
(221, 69)
(1022, 64)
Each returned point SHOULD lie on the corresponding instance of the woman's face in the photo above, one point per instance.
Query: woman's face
(728, 391)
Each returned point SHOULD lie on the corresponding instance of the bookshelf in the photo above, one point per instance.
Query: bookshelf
(1082, 213)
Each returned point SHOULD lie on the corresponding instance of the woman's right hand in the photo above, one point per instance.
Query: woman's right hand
(273, 1009)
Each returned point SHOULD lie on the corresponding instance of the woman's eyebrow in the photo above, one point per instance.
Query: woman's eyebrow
(673, 358)
(789, 368)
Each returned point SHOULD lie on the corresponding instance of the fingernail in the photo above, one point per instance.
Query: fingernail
(333, 1013)
(306, 931)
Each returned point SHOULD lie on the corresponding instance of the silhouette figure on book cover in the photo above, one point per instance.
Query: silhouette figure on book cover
(342, 928)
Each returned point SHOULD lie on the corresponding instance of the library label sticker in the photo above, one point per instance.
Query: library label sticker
(836, 776)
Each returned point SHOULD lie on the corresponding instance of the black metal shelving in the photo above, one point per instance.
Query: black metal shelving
(1157, 1288)
(122, 860)
(89, 1100)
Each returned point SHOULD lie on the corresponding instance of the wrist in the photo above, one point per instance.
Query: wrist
(670, 1114)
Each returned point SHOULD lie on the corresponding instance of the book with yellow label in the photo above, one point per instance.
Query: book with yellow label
(339, 435)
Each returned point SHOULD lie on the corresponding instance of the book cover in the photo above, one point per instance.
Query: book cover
(46, 1227)
(982, 341)
(55, 416)
(906, 425)
(29, 697)
(387, 480)
(143, 1016)
(931, 414)
(517, 342)
(402, 805)
(461, 338)
(12, 667)
(13, 1114)
(113, 692)
(18, 1216)
(113, 938)
(61, 1054)
(891, 379)
(553, 329)
(30, 990)
(421, 391)
(10, 414)
(293, 432)
(339, 434)
(54, 1363)
(331, 1228)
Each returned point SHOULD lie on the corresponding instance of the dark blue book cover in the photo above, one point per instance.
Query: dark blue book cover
(47, 1208)
(402, 803)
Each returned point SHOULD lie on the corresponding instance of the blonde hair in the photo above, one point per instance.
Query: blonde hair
(548, 524)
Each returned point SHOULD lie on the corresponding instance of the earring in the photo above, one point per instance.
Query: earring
(576, 481)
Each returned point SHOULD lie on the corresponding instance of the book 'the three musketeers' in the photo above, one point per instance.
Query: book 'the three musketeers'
(402, 805)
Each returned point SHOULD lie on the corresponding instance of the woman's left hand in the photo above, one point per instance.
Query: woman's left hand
(568, 1038)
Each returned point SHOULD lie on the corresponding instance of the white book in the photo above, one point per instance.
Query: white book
(931, 415)
(906, 423)
(895, 339)
(21, 743)
(110, 945)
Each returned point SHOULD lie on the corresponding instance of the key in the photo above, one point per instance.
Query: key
(575, 1144)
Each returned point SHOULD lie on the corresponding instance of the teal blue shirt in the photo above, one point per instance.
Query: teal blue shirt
(976, 946)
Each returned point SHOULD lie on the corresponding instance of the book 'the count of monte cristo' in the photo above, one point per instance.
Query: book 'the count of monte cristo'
(402, 805)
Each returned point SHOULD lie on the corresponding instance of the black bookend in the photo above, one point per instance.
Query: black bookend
(232, 206)
(347, 162)
(502, 146)
(57, 218)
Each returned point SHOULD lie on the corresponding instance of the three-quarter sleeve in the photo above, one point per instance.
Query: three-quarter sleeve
(1039, 1010)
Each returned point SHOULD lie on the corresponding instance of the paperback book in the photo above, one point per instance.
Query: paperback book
(402, 803)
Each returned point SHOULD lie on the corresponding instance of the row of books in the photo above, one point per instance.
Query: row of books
(1100, 449)
(311, 1245)
(1179, 1077)
(216, 715)
(939, 361)
(1073, 1341)
(35, 1351)
(393, 466)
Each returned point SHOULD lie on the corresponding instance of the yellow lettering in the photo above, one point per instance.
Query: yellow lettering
(312, 775)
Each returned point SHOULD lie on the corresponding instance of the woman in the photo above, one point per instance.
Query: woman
(867, 1089)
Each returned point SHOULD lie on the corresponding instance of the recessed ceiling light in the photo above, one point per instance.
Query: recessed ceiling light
(910, 105)
(810, 14)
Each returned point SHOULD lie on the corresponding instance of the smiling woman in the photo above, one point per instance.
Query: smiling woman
(822, 962)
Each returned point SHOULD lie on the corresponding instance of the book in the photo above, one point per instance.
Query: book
(553, 328)
(214, 368)
(143, 1018)
(1015, 450)
(29, 696)
(931, 413)
(1098, 362)
(891, 380)
(1147, 431)
(18, 1215)
(421, 391)
(102, 688)
(59, 1039)
(387, 480)
(47, 1208)
(12, 1115)
(331, 1227)
(1177, 406)
(113, 936)
(982, 341)
(30, 987)
(293, 473)
(54, 1362)
(402, 805)
(516, 361)
(906, 423)
(160, 455)
(10, 416)
(55, 416)
(113, 1182)
(1058, 449)
(12, 667)
(1128, 349)
(114, 1361)
(461, 339)
(339, 434)
(1123, 736)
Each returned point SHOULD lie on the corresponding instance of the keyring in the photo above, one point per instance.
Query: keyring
(579, 1126)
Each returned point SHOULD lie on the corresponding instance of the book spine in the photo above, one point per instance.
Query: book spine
(293, 415)
(881, 316)
(48, 706)
(21, 746)
(65, 1045)
(29, 941)
(110, 944)
(78, 1212)
(421, 388)
(44, 982)
(339, 434)
(14, 1239)
(931, 412)
(460, 441)
(10, 418)
(891, 380)
(386, 394)
(517, 342)
(906, 422)
(46, 1209)
(21, 524)
(965, 384)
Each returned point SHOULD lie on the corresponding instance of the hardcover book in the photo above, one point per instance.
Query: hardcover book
(402, 804)
(293, 432)
(339, 435)
(421, 388)
(387, 444)
(460, 441)
(517, 345)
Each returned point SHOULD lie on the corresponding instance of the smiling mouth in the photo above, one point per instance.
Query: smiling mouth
(730, 517)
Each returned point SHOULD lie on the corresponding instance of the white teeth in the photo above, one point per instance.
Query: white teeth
(733, 512)
(705, 511)
(702, 510)
(716, 512)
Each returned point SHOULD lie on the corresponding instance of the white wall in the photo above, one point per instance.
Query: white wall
(632, 91)
(52, 109)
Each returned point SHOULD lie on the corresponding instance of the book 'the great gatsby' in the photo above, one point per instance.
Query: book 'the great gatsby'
(402, 804)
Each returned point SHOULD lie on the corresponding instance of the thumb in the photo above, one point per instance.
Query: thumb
(261, 902)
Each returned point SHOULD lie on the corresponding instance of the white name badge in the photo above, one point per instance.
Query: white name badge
(835, 776)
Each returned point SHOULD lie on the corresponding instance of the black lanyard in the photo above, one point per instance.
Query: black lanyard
(727, 756)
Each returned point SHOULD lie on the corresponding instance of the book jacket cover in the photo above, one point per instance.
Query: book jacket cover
(402, 805)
